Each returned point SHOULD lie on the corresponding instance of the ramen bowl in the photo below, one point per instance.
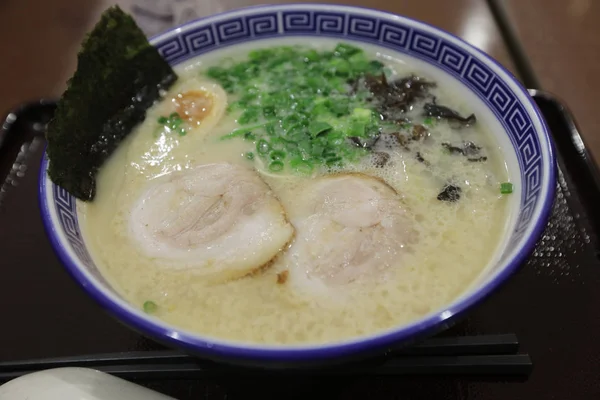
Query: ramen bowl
(491, 91)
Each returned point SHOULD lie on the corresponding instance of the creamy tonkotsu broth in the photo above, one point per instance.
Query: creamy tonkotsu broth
(222, 220)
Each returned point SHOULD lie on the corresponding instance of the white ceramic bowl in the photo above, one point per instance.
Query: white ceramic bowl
(495, 95)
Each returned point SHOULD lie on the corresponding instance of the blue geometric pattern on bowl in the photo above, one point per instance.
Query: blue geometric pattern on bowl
(353, 26)
(66, 210)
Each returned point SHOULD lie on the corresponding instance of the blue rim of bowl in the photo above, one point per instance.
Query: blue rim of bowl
(217, 348)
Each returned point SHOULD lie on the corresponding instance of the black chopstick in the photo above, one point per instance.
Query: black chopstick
(494, 365)
(464, 345)
(483, 354)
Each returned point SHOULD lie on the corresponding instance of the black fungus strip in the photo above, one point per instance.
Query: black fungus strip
(420, 159)
(392, 98)
(468, 149)
(450, 193)
(478, 159)
(471, 149)
(443, 112)
(453, 149)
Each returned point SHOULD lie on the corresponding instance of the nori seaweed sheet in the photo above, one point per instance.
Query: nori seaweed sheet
(119, 76)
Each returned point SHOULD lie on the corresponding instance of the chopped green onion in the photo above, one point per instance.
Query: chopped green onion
(428, 121)
(357, 129)
(263, 147)
(311, 55)
(250, 115)
(346, 50)
(276, 166)
(270, 129)
(277, 155)
(301, 166)
(249, 155)
(339, 67)
(328, 153)
(318, 127)
(506, 188)
(150, 307)
(172, 123)
(290, 121)
(376, 67)
(269, 111)
(258, 55)
(246, 132)
(299, 105)
(359, 62)
(362, 114)
(338, 107)
(333, 161)
(235, 133)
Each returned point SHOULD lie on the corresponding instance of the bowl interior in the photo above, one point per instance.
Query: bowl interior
(496, 97)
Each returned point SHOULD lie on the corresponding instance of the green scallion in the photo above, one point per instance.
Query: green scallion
(333, 161)
(263, 147)
(376, 67)
(150, 307)
(270, 129)
(318, 127)
(268, 111)
(338, 107)
(172, 123)
(357, 129)
(506, 188)
(362, 114)
(346, 50)
(329, 153)
(301, 166)
(299, 105)
(339, 67)
(277, 155)
(311, 55)
(276, 166)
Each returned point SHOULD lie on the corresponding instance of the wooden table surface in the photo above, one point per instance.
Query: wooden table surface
(562, 42)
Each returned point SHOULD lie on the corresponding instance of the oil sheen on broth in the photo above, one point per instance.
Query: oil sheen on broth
(395, 232)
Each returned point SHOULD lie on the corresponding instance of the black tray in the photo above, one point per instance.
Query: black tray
(549, 304)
